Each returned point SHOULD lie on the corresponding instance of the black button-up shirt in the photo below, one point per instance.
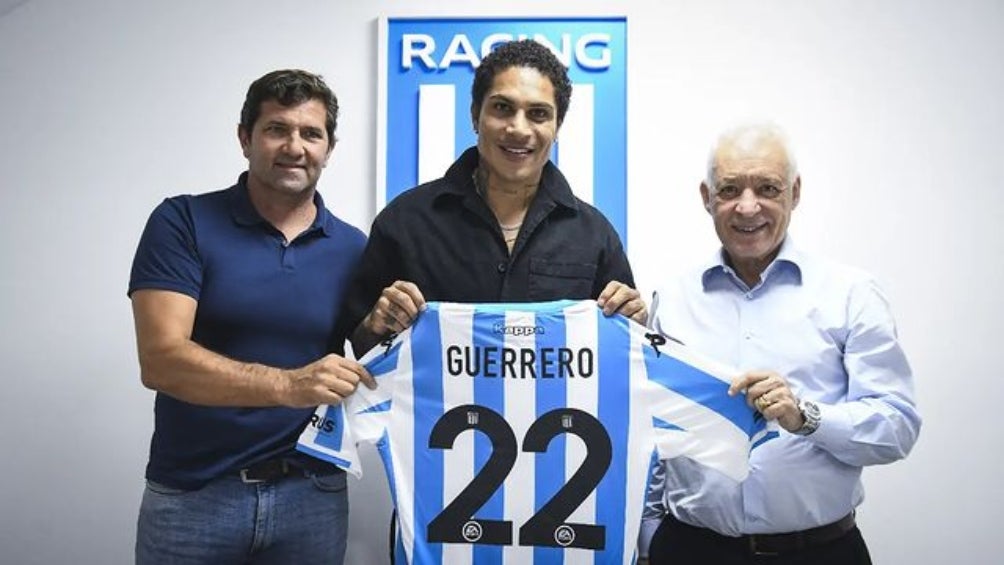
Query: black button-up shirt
(443, 237)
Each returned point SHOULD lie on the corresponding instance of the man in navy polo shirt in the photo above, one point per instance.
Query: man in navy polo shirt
(235, 295)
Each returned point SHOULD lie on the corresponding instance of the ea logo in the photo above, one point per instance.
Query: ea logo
(472, 531)
(564, 535)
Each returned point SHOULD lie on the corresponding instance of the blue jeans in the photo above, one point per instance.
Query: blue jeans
(294, 520)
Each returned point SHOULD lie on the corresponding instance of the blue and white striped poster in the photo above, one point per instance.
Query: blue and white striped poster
(423, 116)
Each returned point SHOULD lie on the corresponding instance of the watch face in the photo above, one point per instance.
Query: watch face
(811, 408)
(810, 412)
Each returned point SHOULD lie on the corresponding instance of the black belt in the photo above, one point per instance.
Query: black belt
(776, 544)
(271, 470)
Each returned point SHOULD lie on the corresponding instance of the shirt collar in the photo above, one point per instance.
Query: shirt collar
(245, 214)
(789, 262)
(553, 184)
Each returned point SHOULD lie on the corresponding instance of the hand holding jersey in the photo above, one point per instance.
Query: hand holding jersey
(769, 393)
(619, 298)
(330, 380)
(394, 311)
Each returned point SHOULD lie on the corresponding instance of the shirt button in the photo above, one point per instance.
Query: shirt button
(502, 268)
(749, 335)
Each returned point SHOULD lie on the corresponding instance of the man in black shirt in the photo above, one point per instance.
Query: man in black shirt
(502, 225)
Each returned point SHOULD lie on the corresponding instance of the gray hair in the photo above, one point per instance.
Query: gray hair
(747, 135)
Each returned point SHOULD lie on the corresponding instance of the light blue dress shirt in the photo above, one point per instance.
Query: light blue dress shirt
(828, 330)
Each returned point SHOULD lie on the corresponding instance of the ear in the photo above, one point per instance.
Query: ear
(706, 196)
(245, 138)
(796, 191)
(331, 148)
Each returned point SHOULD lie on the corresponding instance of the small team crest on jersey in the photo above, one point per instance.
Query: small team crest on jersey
(426, 67)
(567, 421)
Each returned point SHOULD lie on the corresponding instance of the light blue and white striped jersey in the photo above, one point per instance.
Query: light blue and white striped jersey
(524, 433)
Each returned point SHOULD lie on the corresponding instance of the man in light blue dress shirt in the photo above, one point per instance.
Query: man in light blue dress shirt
(821, 356)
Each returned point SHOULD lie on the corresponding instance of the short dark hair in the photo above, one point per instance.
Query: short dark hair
(289, 87)
(523, 53)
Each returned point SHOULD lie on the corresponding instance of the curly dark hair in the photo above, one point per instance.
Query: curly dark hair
(523, 53)
(289, 87)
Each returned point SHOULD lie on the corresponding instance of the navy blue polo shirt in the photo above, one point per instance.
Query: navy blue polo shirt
(259, 301)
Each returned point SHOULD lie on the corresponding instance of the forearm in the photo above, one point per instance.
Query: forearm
(380, 265)
(192, 373)
(869, 431)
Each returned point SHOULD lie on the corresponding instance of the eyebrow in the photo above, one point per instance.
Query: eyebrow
(754, 177)
(286, 124)
(277, 122)
(510, 101)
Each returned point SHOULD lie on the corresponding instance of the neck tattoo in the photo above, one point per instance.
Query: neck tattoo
(509, 231)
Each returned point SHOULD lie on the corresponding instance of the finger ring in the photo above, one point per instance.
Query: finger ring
(762, 402)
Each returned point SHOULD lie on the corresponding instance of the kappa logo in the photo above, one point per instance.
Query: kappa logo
(502, 329)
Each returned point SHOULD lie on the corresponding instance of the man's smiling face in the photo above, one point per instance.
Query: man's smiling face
(517, 125)
(751, 200)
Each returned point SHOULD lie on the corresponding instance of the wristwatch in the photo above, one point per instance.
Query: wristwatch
(810, 412)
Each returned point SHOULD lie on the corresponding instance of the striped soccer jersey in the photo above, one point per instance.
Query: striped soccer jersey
(524, 433)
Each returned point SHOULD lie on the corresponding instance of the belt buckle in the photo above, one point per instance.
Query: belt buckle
(754, 550)
(284, 470)
(246, 480)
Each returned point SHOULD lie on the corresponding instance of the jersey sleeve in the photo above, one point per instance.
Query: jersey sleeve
(693, 415)
(334, 431)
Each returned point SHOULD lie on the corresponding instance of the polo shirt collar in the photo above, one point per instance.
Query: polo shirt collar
(245, 214)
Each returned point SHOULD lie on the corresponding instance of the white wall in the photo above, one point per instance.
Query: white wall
(107, 107)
